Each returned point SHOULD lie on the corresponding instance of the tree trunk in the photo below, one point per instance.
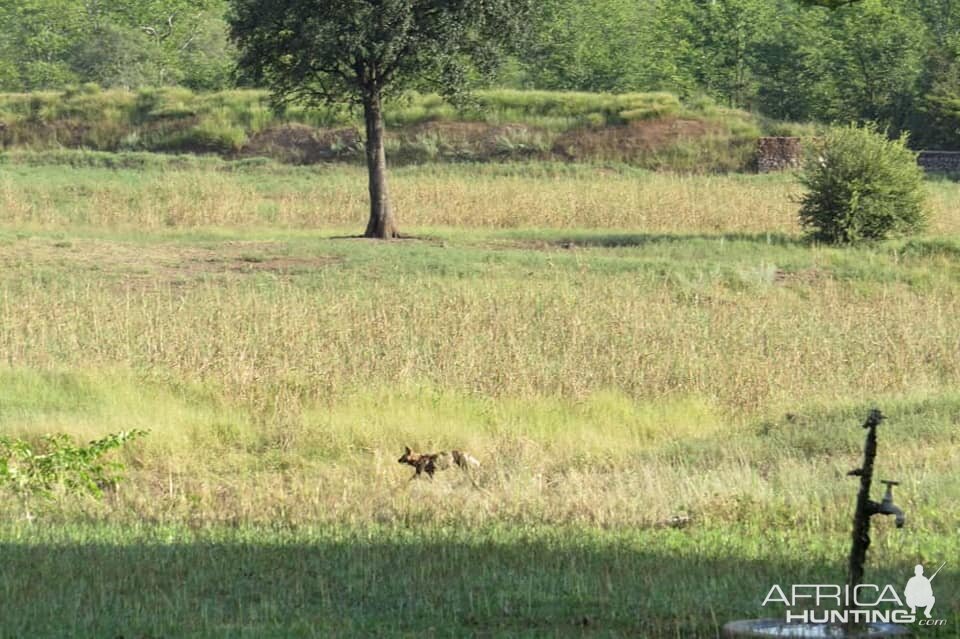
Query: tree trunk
(381, 224)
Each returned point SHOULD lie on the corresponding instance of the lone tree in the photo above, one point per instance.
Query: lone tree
(360, 51)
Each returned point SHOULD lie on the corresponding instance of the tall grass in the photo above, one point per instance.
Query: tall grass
(139, 191)
(687, 362)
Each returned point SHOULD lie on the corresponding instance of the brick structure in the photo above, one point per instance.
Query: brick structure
(778, 154)
(939, 161)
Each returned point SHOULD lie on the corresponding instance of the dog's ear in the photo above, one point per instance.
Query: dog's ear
(406, 450)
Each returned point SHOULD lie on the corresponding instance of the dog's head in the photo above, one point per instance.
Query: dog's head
(409, 457)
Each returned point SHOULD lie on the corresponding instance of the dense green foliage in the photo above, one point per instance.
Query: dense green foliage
(53, 43)
(895, 62)
(871, 60)
(862, 186)
(344, 51)
(58, 463)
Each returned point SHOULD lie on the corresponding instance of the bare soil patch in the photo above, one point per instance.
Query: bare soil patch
(805, 276)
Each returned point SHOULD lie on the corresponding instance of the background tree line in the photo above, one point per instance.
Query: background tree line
(894, 62)
(50, 44)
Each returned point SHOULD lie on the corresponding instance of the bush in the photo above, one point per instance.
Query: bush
(59, 464)
(862, 186)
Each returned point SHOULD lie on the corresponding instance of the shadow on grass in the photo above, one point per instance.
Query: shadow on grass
(627, 240)
(374, 240)
(401, 583)
(943, 176)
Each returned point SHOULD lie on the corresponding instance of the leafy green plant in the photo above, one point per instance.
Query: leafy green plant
(861, 186)
(57, 463)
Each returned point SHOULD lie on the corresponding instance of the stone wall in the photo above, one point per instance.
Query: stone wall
(939, 161)
(778, 154)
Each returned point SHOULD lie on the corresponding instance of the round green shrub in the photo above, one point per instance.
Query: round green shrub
(861, 185)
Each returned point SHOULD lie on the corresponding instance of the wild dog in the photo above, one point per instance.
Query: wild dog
(432, 462)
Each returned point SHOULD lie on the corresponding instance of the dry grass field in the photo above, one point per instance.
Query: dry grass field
(662, 380)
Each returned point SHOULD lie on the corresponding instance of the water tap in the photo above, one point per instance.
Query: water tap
(887, 507)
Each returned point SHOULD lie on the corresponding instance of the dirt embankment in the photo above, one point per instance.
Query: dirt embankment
(635, 142)
(683, 144)
(302, 144)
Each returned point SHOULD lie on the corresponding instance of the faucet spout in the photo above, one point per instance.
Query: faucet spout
(890, 509)
(887, 507)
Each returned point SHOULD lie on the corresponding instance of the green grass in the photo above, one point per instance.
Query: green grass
(409, 582)
(618, 348)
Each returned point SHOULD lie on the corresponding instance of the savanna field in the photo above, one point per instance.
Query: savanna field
(662, 380)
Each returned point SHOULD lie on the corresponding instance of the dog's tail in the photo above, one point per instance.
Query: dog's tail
(465, 460)
(469, 463)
